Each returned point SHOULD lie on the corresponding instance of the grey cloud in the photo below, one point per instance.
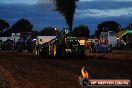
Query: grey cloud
(104, 5)
(44, 15)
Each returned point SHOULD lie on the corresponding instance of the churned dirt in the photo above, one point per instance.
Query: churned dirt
(23, 70)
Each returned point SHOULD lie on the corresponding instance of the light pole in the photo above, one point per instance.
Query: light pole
(56, 31)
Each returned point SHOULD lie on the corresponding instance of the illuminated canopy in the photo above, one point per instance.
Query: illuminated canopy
(123, 32)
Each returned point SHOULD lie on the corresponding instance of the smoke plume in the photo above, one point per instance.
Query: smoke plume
(64, 7)
(67, 9)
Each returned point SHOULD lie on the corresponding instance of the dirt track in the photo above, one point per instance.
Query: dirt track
(28, 71)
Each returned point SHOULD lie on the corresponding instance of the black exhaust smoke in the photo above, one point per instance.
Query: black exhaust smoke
(67, 9)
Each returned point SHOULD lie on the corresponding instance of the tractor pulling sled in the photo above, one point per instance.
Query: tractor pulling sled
(63, 46)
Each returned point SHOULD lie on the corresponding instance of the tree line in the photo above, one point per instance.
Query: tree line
(24, 25)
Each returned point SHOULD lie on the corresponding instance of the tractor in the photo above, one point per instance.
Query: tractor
(64, 46)
(25, 42)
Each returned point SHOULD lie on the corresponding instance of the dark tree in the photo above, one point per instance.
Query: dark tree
(97, 33)
(49, 31)
(3, 25)
(21, 25)
(81, 31)
(109, 26)
(129, 26)
(35, 34)
(92, 36)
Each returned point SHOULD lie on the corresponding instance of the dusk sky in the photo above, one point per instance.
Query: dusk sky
(88, 12)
